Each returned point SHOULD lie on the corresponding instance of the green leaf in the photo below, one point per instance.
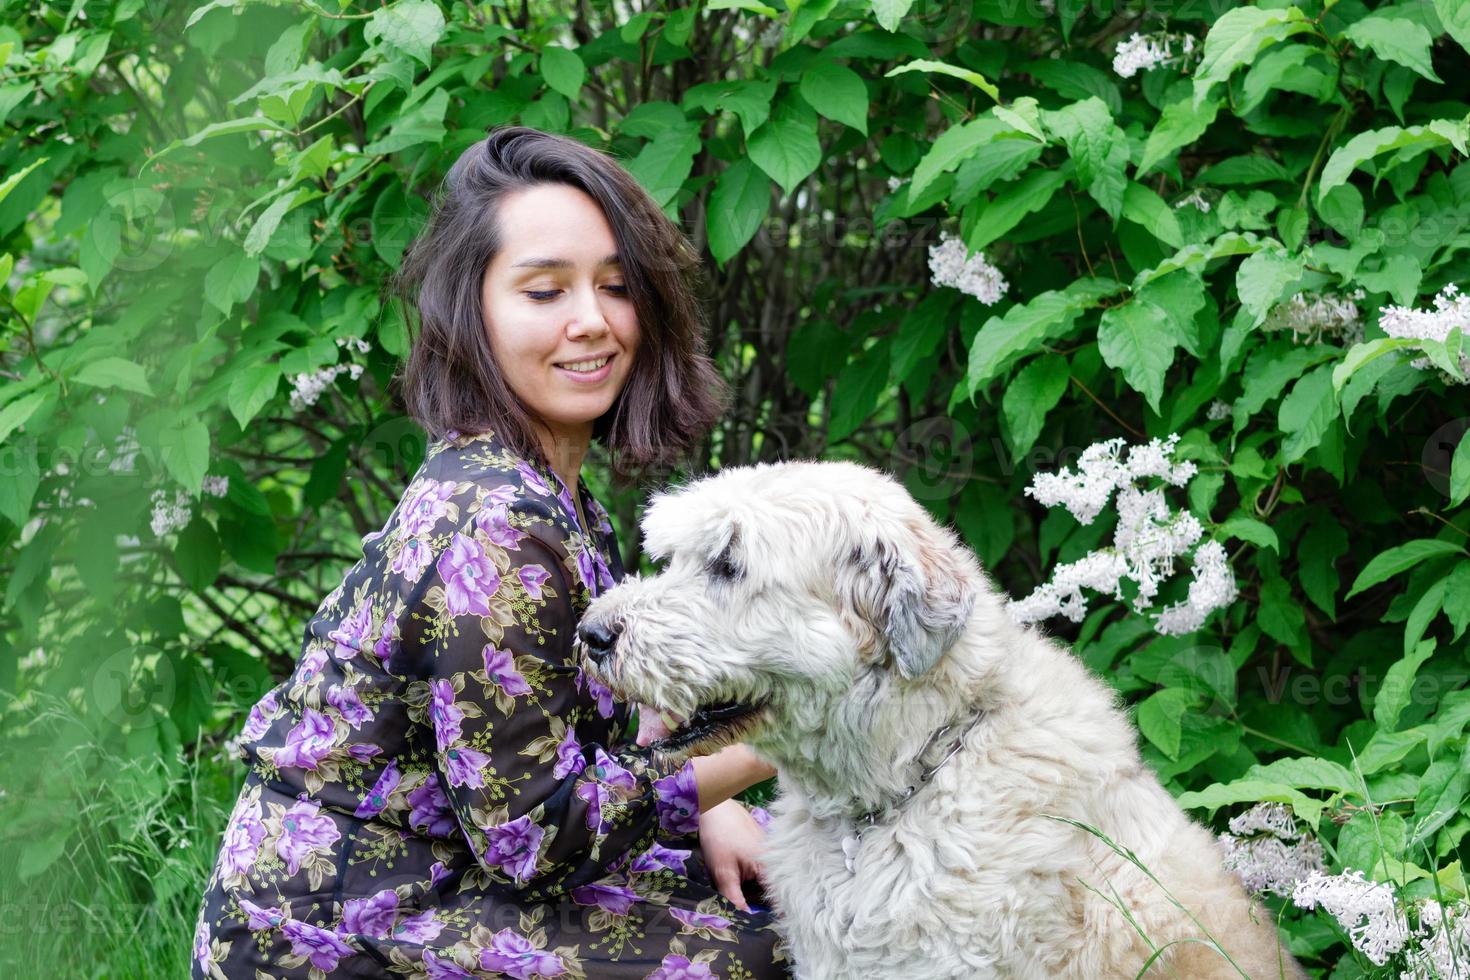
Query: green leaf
(424, 123)
(1249, 529)
(1136, 338)
(1160, 717)
(1397, 39)
(1362, 354)
(1144, 207)
(1457, 598)
(737, 206)
(1423, 614)
(1254, 791)
(1282, 619)
(1306, 413)
(786, 146)
(752, 5)
(231, 280)
(1001, 339)
(954, 71)
(1460, 471)
(664, 163)
(750, 101)
(15, 414)
(888, 12)
(1455, 16)
(1308, 773)
(922, 330)
(1400, 559)
(1180, 124)
(411, 26)
(1034, 391)
(10, 182)
(1263, 277)
(858, 388)
(251, 388)
(184, 447)
(1088, 130)
(1323, 544)
(1239, 35)
(197, 554)
(563, 70)
(1386, 748)
(1365, 146)
(838, 93)
(114, 372)
(1393, 696)
(954, 146)
(1011, 204)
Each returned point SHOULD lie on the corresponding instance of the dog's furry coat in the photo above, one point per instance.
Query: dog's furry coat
(826, 594)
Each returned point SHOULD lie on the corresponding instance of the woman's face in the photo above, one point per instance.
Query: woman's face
(556, 309)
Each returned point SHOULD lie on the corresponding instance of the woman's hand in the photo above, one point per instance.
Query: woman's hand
(732, 844)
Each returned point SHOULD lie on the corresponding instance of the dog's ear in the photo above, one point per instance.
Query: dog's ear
(917, 591)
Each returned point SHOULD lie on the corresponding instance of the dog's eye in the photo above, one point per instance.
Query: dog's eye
(721, 567)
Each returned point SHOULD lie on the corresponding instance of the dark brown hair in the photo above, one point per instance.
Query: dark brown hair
(452, 382)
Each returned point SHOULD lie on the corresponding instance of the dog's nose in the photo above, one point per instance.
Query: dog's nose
(599, 639)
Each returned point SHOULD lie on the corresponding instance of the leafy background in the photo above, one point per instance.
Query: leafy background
(200, 204)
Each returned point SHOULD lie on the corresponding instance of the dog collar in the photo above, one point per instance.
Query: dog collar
(864, 821)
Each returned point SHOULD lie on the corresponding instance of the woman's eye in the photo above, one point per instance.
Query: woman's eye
(619, 289)
(542, 294)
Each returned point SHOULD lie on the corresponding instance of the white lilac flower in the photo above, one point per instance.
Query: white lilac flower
(1451, 309)
(1313, 316)
(306, 388)
(355, 343)
(1142, 52)
(1368, 910)
(1149, 537)
(949, 265)
(34, 660)
(1218, 410)
(124, 451)
(216, 486)
(170, 515)
(1268, 851)
(894, 183)
(1197, 198)
(1443, 949)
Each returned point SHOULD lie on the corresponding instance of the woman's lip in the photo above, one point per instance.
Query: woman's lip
(588, 377)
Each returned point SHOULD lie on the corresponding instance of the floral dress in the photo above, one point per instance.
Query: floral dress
(437, 791)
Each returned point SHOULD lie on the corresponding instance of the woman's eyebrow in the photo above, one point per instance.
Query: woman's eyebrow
(541, 263)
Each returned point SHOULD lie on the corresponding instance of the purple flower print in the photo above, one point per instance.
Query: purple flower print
(512, 954)
(242, 841)
(532, 479)
(201, 946)
(311, 665)
(383, 648)
(658, 857)
(500, 668)
(308, 743)
(444, 969)
(377, 798)
(617, 899)
(762, 816)
(444, 714)
(513, 847)
(304, 831)
(469, 577)
(568, 756)
(345, 700)
(676, 967)
(678, 801)
(564, 497)
(419, 928)
(501, 494)
(321, 946)
(437, 873)
(412, 559)
(429, 810)
(259, 721)
(352, 632)
(495, 522)
(533, 577)
(363, 751)
(464, 767)
(423, 508)
(596, 795)
(699, 920)
(259, 919)
(586, 570)
(372, 916)
(603, 694)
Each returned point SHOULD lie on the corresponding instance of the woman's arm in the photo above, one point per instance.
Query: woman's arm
(727, 772)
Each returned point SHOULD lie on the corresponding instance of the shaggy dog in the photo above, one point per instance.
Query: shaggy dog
(936, 760)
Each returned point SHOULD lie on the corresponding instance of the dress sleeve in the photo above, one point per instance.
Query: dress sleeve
(491, 627)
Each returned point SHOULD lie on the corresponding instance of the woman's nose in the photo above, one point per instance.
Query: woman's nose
(588, 320)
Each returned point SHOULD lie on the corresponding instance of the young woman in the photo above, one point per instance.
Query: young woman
(437, 790)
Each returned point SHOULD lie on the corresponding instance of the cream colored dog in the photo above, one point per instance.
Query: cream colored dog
(816, 612)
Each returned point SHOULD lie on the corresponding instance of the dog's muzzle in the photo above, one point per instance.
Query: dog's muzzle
(598, 639)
